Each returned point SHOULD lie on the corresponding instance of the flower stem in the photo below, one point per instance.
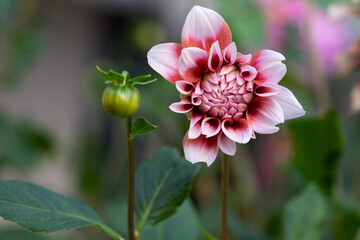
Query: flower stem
(131, 170)
(224, 193)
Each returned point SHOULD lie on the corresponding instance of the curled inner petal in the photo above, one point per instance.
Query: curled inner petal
(211, 126)
(229, 54)
(237, 130)
(184, 106)
(184, 87)
(215, 58)
(195, 124)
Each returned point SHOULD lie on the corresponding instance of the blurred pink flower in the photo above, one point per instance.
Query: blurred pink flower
(318, 32)
(230, 96)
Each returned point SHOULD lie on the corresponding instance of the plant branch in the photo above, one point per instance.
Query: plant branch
(224, 193)
(130, 179)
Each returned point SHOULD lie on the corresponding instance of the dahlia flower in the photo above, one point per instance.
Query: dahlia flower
(227, 96)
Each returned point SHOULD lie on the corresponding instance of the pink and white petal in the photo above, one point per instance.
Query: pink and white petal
(203, 27)
(192, 64)
(243, 59)
(247, 72)
(163, 58)
(264, 114)
(229, 54)
(184, 106)
(195, 100)
(289, 104)
(266, 55)
(269, 66)
(215, 60)
(226, 145)
(195, 124)
(210, 126)
(267, 90)
(184, 87)
(201, 149)
(237, 130)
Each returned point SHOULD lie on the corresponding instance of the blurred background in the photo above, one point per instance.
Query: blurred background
(54, 132)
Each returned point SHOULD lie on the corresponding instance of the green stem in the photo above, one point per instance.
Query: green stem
(110, 232)
(224, 193)
(131, 180)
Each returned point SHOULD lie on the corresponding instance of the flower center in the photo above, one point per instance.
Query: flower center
(225, 93)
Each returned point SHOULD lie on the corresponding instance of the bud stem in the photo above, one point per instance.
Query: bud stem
(224, 193)
(130, 180)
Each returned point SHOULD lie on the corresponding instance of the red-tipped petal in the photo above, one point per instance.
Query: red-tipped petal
(226, 145)
(267, 90)
(195, 124)
(264, 114)
(210, 126)
(229, 54)
(192, 64)
(289, 104)
(201, 149)
(215, 60)
(203, 27)
(237, 130)
(163, 58)
(184, 106)
(269, 66)
(184, 87)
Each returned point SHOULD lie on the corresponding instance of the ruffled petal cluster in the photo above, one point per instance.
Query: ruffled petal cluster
(229, 96)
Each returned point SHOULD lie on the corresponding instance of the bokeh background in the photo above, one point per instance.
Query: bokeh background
(54, 132)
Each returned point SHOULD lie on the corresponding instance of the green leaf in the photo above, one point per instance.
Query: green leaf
(20, 234)
(184, 224)
(144, 83)
(346, 223)
(141, 126)
(207, 235)
(161, 185)
(317, 146)
(305, 215)
(41, 210)
(140, 78)
(104, 74)
(112, 76)
(116, 76)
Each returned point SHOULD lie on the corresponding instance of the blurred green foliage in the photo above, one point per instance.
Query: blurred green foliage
(21, 143)
(305, 215)
(318, 146)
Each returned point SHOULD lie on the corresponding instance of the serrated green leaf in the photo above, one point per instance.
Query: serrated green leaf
(305, 215)
(207, 235)
(141, 126)
(317, 148)
(41, 210)
(161, 185)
